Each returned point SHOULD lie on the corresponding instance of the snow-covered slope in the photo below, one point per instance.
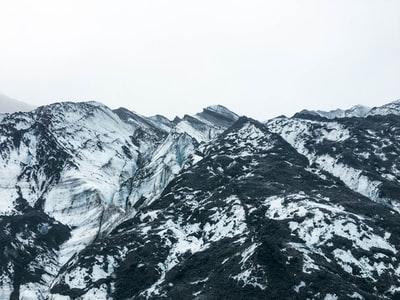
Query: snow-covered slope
(108, 204)
(359, 111)
(82, 165)
(363, 152)
(355, 111)
(390, 108)
(250, 220)
(176, 149)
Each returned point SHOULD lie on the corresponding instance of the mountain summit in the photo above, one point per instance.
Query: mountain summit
(109, 204)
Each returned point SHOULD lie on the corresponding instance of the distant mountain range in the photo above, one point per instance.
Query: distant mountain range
(357, 111)
(109, 204)
(9, 105)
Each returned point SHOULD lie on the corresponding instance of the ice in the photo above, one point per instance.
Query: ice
(298, 131)
(351, 177)
(199, 136)
(59, 297)
(299, 286)
(97, 293)
(390, 108)
(356, 295)
(6, 286)
(248, 278)
(166, 162)
(331, 297)
(31, 291)
(248, 253)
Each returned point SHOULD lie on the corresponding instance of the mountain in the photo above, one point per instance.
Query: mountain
(108, 204)
(390, 108)
(356, 111)
(9, 105)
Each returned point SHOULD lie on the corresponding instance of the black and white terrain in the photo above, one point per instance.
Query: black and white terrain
(108, 204)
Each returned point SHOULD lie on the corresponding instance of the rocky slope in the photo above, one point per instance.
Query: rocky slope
(101, 204)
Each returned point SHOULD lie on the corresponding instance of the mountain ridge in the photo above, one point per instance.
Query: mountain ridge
(355, 111)
(210, 206)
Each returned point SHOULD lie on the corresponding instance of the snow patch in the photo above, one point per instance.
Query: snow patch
(299, 286)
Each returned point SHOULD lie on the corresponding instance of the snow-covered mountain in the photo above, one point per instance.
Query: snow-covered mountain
(108, 204)
(356, 111)
(9, 105)
(390, 108)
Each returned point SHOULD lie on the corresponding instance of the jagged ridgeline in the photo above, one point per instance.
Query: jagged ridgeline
(108, 204)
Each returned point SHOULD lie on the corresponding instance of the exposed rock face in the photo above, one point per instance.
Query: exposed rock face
(101, 204)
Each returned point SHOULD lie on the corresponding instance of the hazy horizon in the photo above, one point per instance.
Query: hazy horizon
(10, 105)
(258, 58)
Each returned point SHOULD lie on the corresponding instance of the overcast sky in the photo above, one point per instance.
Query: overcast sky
(258, 58)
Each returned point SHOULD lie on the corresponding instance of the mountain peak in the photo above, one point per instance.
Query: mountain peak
(209, 206)
(355, 111)
(218, 115)
(359, 111)
(218, 108)
(387, 109)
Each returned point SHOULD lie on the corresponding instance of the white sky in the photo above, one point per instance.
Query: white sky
(258, 58)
